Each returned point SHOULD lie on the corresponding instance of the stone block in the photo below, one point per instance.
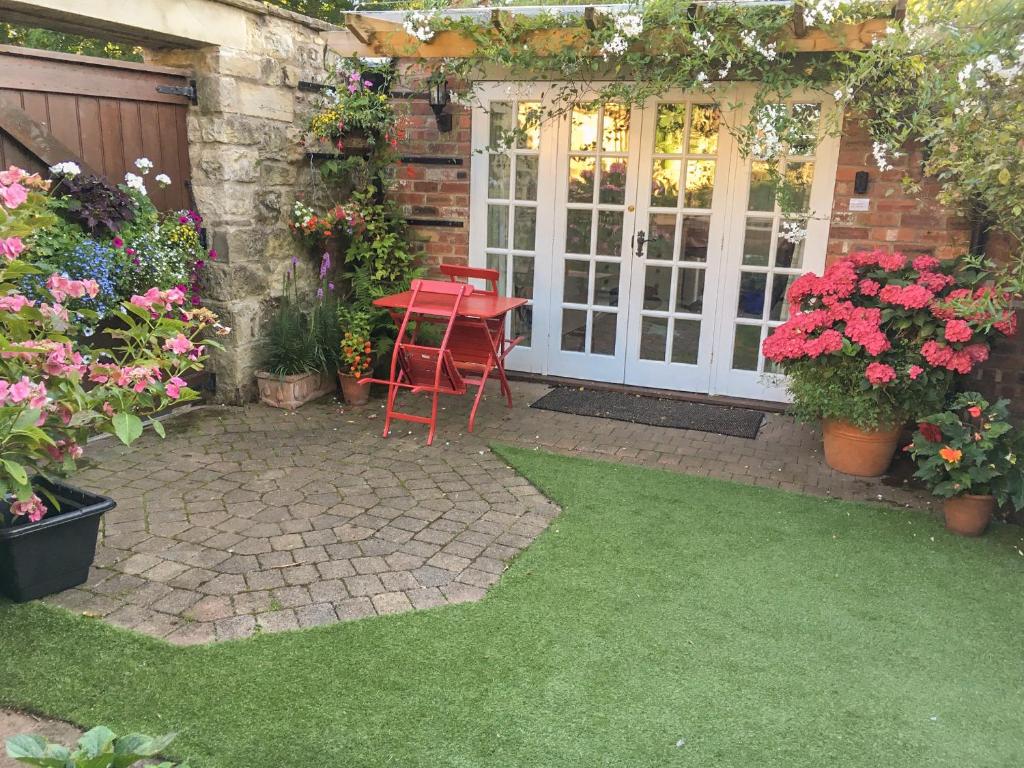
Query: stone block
(228, 163)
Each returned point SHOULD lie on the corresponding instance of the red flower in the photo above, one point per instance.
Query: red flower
(930, 432)
(892, 262)
(925, 263)
(958, 330)
(880, 374)
(908, 296)
(914, 371)
(974, 411)
(869, 287)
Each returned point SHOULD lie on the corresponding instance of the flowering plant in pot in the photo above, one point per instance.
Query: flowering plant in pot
(967, 454)
(355, 108)
(356, 354)
(55, 393)
(877, 340)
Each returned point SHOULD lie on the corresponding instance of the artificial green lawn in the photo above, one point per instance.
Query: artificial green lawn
(762, 628)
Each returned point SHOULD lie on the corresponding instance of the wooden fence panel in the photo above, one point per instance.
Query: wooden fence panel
(106, 113)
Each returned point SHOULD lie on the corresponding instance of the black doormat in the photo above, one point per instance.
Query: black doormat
(656, 411)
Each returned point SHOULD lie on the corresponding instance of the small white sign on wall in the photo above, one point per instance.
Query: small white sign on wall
(860, 204)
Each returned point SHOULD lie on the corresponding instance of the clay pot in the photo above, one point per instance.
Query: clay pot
(854, 451)
(292, 391)
(353, 392)
(968, 514)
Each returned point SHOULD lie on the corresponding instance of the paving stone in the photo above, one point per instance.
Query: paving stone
(429, 576)
(316, 615)
(335, 569)
(224, 584)
(328, 591)
(210, 608)
(391, 602)
(399, 581)
(457, 592)
(192, 633)
(355, 608)
(291, 597)
(277, 621)
(359, 586)
(235, 628)
(426, 597)
(369, 564)
(264, 579)
(300, 574)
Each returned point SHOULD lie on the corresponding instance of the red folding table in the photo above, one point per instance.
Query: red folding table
(473, 346)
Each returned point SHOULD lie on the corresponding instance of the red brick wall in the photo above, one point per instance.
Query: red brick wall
(896, 221)
(436, 191)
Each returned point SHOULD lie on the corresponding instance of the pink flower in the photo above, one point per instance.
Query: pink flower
(825, 344)
(908, 296)
(213, 254)
(925, 263)
(868, 287)
(1008, 325)
(892, 262)
(33, 509)
(11, 247)
(14, 303)
(13, 196)
(179, 345)
(958, 330)
(174, 386)
(914, 371)
(11, 175)
(118, 242)
(935, 281)
(880, 374)
(936, 354)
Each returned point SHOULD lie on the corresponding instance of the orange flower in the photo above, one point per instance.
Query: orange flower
(950, 455)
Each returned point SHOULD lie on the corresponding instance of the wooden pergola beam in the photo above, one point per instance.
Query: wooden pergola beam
(385, 38)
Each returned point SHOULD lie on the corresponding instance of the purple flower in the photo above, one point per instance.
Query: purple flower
(325, 264)
(295, 261)
(320, 293)
(330, 287)
(367, 83)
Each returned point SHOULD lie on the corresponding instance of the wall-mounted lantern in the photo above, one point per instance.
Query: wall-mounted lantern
(439, 97)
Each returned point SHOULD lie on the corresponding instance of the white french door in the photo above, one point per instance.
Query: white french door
(651, 252)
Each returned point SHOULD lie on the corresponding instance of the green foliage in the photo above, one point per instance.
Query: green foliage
(97, 748)
(970, 447)
(290, 344)
(34, 37)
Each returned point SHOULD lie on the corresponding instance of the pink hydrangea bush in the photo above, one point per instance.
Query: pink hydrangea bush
(55, 392)
(878, 337)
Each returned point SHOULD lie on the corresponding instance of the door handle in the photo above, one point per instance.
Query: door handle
(641, 239)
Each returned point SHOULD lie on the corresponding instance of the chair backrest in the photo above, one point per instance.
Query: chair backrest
(436, 297)
(429, 368)
(490, 276)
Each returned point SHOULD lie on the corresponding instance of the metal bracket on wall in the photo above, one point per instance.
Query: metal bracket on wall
(188, 91)
(449, 223)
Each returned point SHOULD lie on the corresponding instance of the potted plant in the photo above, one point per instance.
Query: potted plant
(876, 340)
(53, 397)
(356, 355)
(967, 454)
(354, 110)
(293, 368)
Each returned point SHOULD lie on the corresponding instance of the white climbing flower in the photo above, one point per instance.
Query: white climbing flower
(724, 71)
(420, 24)
(702, 80)
(793, 232)
(817, 12)
(751, 40)
(162, 179)
(629, 25)
(703, 40)
(617, 45)
(67, 168)
(144, 164)
(135, 182)
(884, 155)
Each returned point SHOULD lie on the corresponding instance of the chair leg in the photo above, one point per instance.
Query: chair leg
(476, 400)
(392, 396)
(506, 390)
(433, 420)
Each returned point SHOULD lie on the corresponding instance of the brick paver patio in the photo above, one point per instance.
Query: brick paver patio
(254, 519)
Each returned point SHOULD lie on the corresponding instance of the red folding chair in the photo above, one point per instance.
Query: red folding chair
(490, 276)
(421, 368)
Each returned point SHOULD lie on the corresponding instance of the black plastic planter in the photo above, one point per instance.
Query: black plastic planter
(54, 554)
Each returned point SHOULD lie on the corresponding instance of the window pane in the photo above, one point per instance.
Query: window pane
(653, 335)
(661, 235)
(498, 261)
(501, 121)
(696, 233)
(581, 179)
(668, 137)
(746, 347)
(583, 137)
(685, 341)
(613, 181)
(498, 176)
(577, 231)
(797, 185)
(762, 189)
(522, 324)
(522, 276)
(497, 226)
(751, 301)
(606, 284)
(704, 130)
(700, 183)
(609, 233)
(577, 282)
(690, 291)
(602, 341)
(789, 251)
(779, 309)
(526, 177)
(657, 287)
(665, 183)
(616, 128)
(525, 234)
(574, 330)
(757, 242)
(529, 113)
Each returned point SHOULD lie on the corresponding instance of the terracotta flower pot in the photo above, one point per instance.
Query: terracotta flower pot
(353, 392)
(854, 451)
(968, 514)
(292, 391)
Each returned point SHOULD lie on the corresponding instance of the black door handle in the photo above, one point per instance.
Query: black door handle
(641, 239)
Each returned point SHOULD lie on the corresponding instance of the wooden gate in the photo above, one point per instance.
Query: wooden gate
(101, 113)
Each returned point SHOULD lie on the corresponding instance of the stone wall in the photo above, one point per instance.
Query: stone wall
(248, 167)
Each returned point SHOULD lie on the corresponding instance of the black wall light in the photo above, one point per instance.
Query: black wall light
(439, 97)
(860, 182)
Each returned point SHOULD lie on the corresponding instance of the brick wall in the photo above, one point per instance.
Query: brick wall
(435, 192)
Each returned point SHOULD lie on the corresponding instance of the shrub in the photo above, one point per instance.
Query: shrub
(878, 337)
(98, 748)
(96, 205)
(970, 448)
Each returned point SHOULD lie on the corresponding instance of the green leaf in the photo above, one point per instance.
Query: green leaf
(97, 741)
(26, 745)
(16, 471)
(159, 428)
(128, 427)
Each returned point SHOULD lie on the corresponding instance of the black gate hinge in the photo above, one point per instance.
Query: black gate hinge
(188, 91)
